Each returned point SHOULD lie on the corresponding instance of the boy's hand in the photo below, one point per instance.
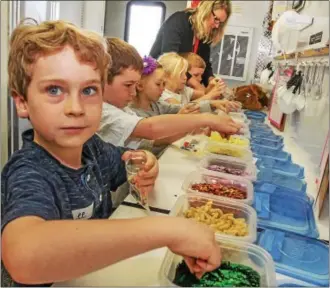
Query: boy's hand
(201, 253)
(216, 91)
(220, 105)
(223, 124)
(146, 177)
(232, 106)
(190, 108)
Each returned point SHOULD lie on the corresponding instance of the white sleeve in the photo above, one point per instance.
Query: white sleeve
(165, 95)
(188, 92)
(116, 125)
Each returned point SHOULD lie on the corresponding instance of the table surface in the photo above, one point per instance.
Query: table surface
(143, 269)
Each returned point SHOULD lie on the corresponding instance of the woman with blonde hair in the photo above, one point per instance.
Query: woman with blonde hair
(194, 30)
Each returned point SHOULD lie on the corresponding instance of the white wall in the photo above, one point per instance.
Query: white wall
(250, 14)
(116, 14)
(310, 129)
(71, 11)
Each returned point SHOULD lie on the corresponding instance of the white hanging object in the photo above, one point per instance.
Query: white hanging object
(286, 30)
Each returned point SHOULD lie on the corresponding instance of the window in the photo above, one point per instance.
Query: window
(143, 20)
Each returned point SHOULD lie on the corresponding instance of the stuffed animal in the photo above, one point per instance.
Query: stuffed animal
(251, 96)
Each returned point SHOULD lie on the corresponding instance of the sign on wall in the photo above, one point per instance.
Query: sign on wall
(232, 60)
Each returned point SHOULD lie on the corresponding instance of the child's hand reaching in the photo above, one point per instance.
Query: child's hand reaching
(222, 123)
(232, 106)
(196, 243)
(216, 91)
(146, 178)
(190, 108)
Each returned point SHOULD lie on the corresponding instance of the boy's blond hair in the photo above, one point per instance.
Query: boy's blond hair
(194, 60)
(30, 41)
(123, 56)
(173, 64)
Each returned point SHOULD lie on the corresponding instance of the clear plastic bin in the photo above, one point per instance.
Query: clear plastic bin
(211, 177)
(246, 169)
(239, 117)
(240, 210)
(234, 251)
(229, 150)
(236, 139)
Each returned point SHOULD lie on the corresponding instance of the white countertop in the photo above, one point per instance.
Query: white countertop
(141, 270)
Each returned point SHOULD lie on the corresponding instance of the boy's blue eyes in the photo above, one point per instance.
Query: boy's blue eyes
(57, 91)
(89, 91)
(54, 90)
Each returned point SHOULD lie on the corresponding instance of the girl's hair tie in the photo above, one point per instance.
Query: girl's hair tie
(149, 65)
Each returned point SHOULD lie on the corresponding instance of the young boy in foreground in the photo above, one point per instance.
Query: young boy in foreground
(64, 172)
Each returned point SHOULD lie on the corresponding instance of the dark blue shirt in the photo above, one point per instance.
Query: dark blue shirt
(33, 183)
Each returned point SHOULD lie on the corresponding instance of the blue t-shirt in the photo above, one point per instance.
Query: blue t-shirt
(33, 183)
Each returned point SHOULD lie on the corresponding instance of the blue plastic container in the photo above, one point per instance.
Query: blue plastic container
(262, 133)
(269, 188)
(262, 152)
(297, 256)
(273, 138)
(258, 124)
(265, 128)
(286, 168)
(253, 115)
(281, 180)
(291, 285)
(267, 144)
(286, 212)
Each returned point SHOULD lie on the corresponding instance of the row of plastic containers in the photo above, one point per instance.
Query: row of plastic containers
(282, 204)
(276, 201)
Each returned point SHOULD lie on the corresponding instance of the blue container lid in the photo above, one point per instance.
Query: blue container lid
(267, 144)
(262, 133)
(299, 257)
(264, 128)
(286, 168)
(274, 138)
(293, 183)
(262, 152)
(256, 117)
(291, 285)
(255, 113)
(269, 188)
(254, 122)
(286, 212)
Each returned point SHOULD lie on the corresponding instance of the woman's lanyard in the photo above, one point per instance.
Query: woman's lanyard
(196, 44)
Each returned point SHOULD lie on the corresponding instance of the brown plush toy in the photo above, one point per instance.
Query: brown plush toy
(251, 96)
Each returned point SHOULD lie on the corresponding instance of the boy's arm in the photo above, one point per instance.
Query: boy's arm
(35, 251)
(39, 247)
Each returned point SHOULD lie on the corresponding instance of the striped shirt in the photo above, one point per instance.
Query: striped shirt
(33, 183)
